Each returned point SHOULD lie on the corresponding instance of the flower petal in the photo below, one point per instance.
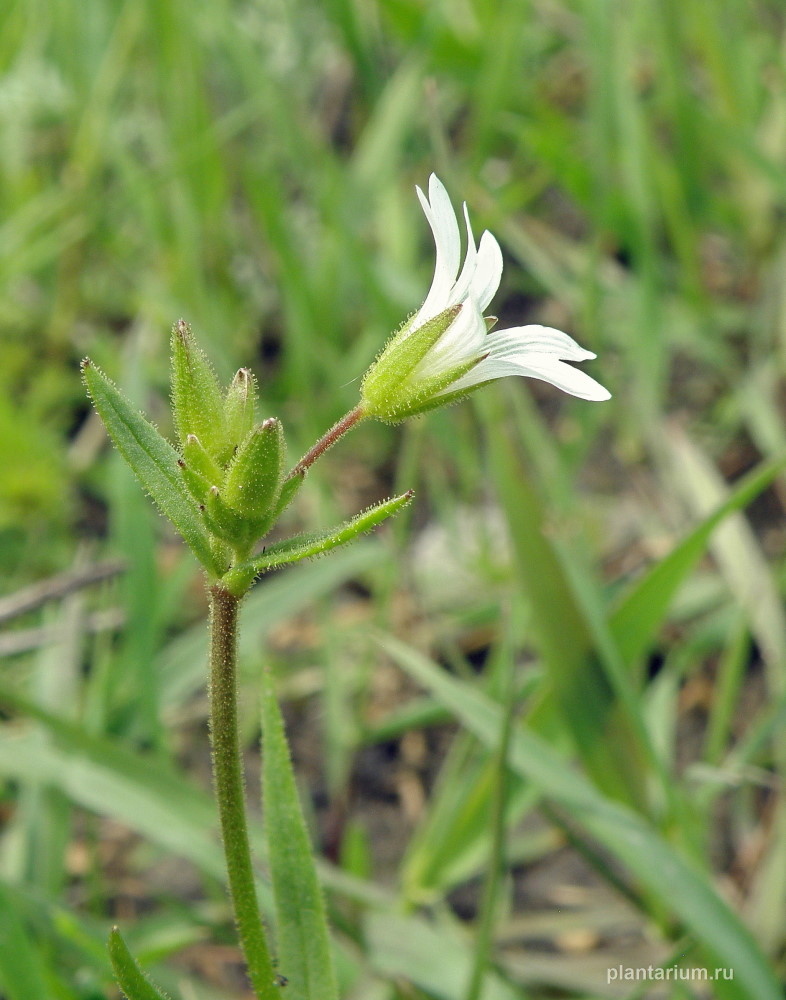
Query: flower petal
(541, 366)
(464, 281)
(488, 271)
(519, 341)
(442, 219)
(463, 340)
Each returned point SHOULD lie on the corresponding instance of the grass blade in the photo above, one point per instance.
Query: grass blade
(655, 864)
(639, 615)
(21, 976)
(592, 692)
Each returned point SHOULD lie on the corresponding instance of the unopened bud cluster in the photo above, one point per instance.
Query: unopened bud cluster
(231, 465)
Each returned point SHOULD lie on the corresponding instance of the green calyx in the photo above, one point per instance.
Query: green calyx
(254, 475)
(240, 405)
(401, 356)
(197, 400)
(393, 390)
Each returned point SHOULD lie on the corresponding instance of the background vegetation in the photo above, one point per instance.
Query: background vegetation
(556, 597)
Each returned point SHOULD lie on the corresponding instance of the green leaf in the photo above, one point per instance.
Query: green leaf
(591, 689)
(435, 957)
(152, 458)
(130, 978)
(21, 975)
(638, 616)
(301, 925)
(672, 880)
(143, 793)
(314, 544)
(197, 399)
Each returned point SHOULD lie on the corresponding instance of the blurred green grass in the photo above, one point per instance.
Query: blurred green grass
(251, 167)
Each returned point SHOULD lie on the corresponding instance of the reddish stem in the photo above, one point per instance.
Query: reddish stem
(328, 439)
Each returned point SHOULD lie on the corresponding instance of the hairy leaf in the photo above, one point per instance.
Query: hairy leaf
(301, 925)
(152, 458)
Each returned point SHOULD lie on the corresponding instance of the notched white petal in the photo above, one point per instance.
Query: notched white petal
(442, 220)
(464, 282)
(520, 341)
(445, 228)
(545, 367)
(565, 377)
(463, 340)
(488, 271)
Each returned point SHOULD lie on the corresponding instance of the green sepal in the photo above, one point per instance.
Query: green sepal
(198, 460)
(289, 489)
(306, 546)
(152, 459)
(254, 476)
(196, 485)
(304, 952)
(423, 394)
(226, 523)
(240, 406)
(446, 398)
(405, 350)
(197, 399)
(130, 978)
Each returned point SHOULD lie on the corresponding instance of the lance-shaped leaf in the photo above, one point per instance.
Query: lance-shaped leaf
(130, 978)
(197, 399)
(312, 544)
(240, 405)
(301, 926)
(254, 476)
(151, 457)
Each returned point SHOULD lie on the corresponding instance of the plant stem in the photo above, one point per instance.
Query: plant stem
(329, 438)
(230, 790)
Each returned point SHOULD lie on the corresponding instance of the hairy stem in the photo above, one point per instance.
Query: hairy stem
(329, 438)
(230, 791)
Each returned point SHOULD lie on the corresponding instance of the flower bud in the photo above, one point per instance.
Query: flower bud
(254, 476)
(239, 406)
(197, 400)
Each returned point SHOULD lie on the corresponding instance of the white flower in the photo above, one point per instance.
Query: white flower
(446, 349)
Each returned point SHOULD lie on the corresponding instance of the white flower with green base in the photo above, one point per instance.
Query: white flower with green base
(448, 348)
